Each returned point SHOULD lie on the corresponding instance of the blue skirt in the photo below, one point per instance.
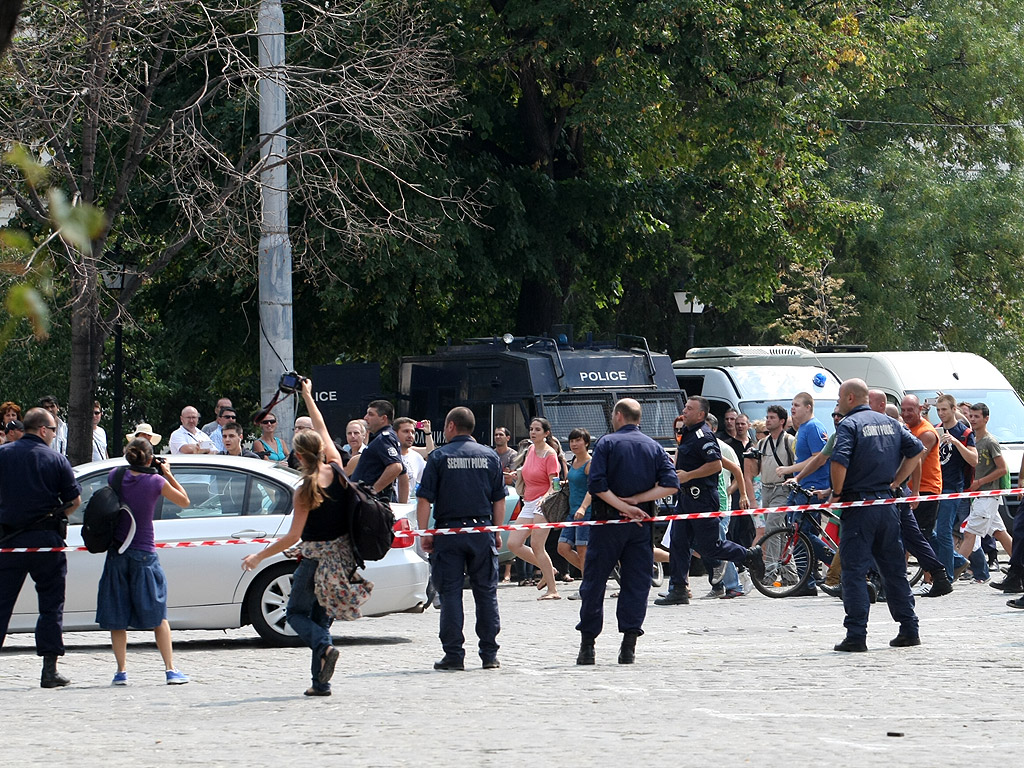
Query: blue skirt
(132, 592)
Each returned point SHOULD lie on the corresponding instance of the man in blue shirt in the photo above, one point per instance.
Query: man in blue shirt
(38, 491)
(628, 472)
(873, 456)
(464, 481)
(811, 437)
(380, 463)
(698, 464)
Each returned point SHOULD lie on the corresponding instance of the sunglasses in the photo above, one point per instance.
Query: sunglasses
(269, 421)
(680, 430)
(97, 413)
(837, 415)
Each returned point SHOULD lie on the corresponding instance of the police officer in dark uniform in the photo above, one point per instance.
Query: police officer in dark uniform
(380, 462)
(464, 481)
(628, 473)
(38, 491)
(866, 464)
(698, 462)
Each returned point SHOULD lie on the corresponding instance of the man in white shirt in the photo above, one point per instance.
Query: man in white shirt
(188, 438)
(414, 458)
(99, 435)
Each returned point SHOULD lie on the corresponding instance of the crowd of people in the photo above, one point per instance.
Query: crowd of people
(789, 457)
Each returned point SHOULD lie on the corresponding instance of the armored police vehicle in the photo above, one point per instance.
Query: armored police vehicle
(507, 381)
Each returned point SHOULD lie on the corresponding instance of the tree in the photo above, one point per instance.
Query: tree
(147, 110)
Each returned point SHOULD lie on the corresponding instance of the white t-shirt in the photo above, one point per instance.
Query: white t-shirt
(99, 444)
(182, 436)
(414, 465)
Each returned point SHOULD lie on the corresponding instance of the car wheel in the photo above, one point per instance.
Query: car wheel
(266, 602)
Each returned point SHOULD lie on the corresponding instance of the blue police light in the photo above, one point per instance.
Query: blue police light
(819, 380)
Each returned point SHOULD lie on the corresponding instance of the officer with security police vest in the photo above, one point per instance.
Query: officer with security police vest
(698, 462)
(464, 482)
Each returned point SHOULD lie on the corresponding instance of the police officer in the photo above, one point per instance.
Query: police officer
(464, 481)
(380, 462)
(37, 492)
(628, 472)
(866, 464)
(698, 463)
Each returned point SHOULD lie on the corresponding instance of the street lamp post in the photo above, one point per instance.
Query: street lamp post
(113, 279)
(687, 304)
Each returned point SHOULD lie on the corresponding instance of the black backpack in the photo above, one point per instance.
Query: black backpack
(101, 516)
(372, 522)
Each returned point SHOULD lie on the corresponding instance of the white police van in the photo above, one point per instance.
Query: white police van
(751, 378)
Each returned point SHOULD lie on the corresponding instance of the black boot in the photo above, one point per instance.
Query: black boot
(627, 651)
(51, 678)
(586, 654)
(940, 584)
(1011, 585)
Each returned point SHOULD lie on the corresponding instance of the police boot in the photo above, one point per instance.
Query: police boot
(940, 584)
(1012, 584)
(627, 651)
(51, 678)
(586, 654)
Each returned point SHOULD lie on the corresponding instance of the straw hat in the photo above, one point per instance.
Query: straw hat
(144, 429)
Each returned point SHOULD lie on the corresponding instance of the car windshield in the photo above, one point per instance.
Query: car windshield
(1006, 423)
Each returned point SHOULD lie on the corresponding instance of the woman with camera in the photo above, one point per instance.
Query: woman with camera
(133, 589)
(319, 517)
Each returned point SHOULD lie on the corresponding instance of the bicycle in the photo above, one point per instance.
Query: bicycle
(790, 559)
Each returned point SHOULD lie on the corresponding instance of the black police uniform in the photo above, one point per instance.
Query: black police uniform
(35, 481)
(463, 479)
(698, 447)
(382, 451)
(871, 446)
(626, 462)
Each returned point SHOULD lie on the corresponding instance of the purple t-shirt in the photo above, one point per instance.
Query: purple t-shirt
(140, 492)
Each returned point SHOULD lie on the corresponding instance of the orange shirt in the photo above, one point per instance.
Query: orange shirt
(931, 468)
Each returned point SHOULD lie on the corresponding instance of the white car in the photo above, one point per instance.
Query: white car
(232, 498)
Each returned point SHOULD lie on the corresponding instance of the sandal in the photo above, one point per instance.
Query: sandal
(550, 596)
(527, 582)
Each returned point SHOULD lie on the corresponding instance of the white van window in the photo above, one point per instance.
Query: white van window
(1006, 423)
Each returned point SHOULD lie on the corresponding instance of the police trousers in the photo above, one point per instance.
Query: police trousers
(454, 558)
(631, 546)
(872, 534)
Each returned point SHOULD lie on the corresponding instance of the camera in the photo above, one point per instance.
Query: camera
(158, 464)
(290, 382)
(420, 425)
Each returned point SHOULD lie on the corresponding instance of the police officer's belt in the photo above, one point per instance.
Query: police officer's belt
(464, 522)
(604, 511)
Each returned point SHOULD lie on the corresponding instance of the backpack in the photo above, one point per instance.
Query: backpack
(101, 516)
(372, 526)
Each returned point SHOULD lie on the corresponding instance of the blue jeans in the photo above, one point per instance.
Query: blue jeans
(308, 618)
(731, 580)
(820, 550)
(454, 558)
(942, 536)
(979, 564)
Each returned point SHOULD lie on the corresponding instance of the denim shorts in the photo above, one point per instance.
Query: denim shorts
(578, 535)
(132, 592)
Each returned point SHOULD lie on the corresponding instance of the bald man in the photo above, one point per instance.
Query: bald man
(873, 453)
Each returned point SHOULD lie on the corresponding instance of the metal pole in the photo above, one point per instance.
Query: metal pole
(117, 437)
(275, 262)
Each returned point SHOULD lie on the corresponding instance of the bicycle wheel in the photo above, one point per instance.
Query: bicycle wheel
(788, 562)
(914, 571)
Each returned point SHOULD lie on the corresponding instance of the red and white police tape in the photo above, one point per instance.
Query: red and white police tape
(576, 523)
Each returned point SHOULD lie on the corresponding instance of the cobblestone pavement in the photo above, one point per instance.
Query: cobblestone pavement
(751, 680)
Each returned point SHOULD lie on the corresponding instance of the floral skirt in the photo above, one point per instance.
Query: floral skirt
(339, 589)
